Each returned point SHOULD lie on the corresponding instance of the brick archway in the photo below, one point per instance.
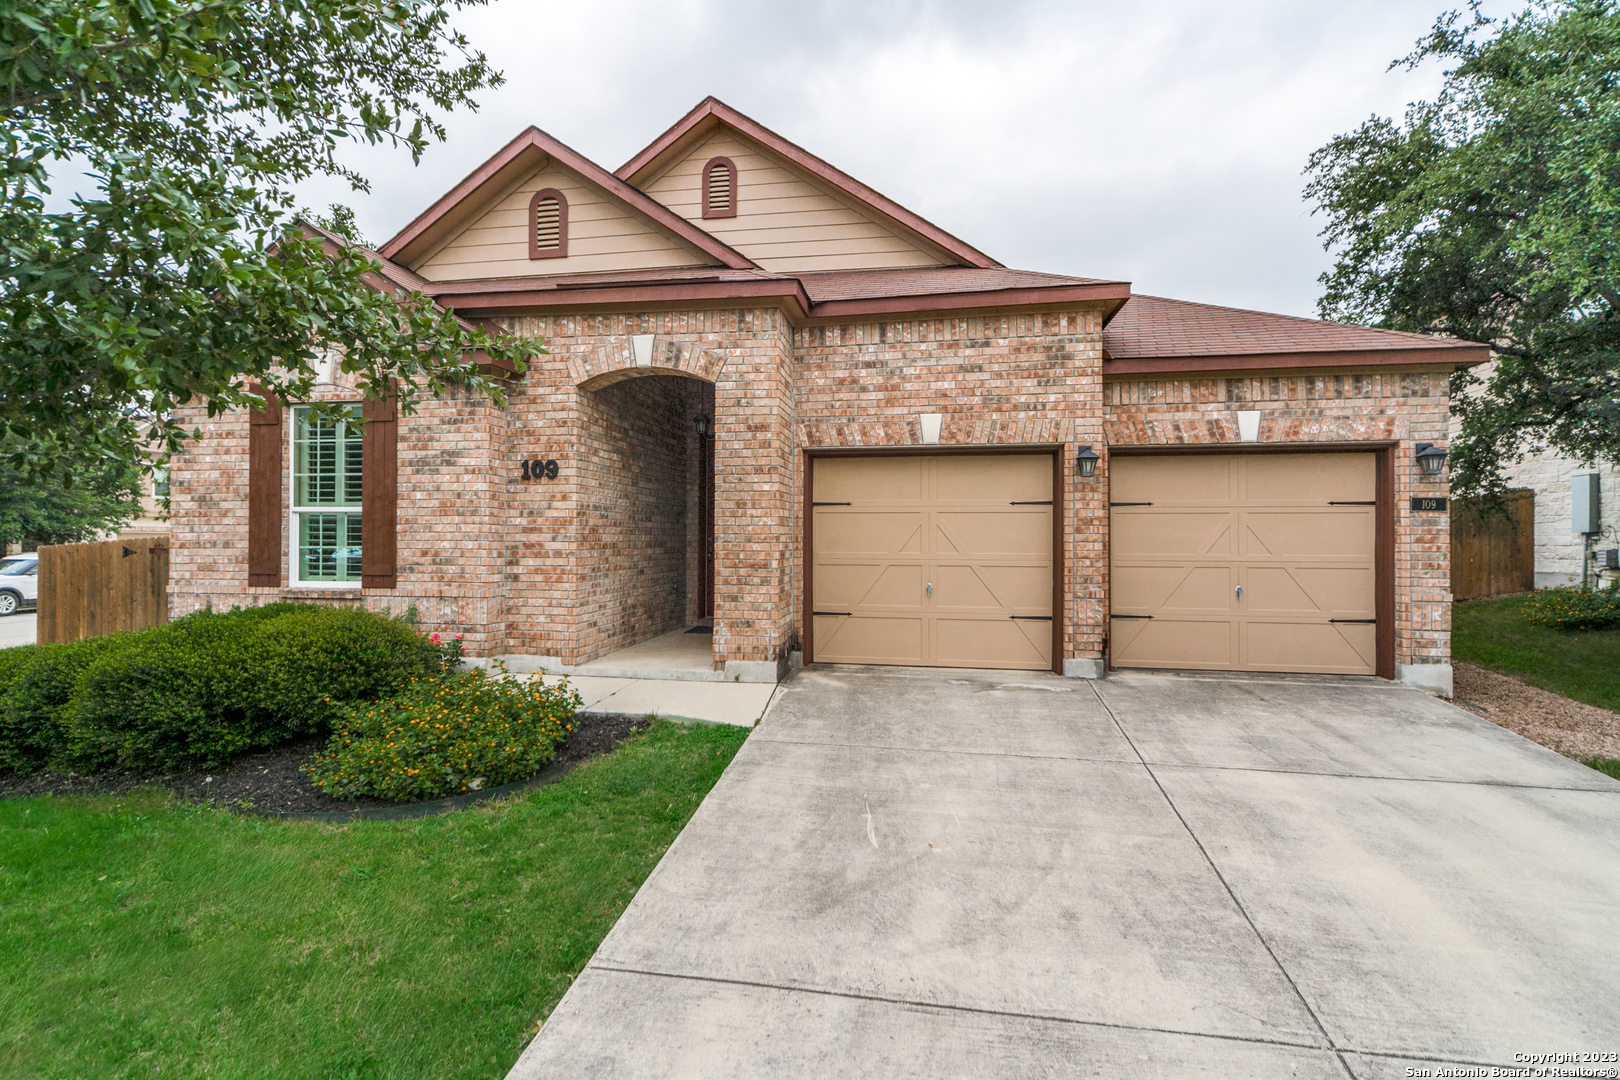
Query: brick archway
(615, 362)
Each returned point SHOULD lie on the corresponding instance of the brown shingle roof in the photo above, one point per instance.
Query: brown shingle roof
(1152, 332)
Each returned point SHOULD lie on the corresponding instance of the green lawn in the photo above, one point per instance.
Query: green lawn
(140, 937)
(1581, 664)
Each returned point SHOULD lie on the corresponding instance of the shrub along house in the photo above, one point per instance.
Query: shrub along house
(780, 403)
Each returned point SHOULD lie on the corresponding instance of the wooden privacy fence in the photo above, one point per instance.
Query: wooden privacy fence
(91, 589)
(1493, 552)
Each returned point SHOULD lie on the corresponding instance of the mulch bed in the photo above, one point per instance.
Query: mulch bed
(1572, 728)
(272, 781)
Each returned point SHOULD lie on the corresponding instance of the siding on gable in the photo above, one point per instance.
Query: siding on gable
(784, 222)
(602, 236)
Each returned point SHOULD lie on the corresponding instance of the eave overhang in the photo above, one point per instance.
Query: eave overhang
(509, 297)
(1441, 355)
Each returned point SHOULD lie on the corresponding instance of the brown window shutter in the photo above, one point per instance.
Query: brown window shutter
(264, 491)
(379, 492)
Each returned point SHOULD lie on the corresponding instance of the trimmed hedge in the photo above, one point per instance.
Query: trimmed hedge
(1575, 608)
(33, 709)
(196, 691)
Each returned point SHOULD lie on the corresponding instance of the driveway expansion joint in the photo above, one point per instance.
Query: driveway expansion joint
(1369, 776)
(973, 1009)
(1230, 892)
(948, 751)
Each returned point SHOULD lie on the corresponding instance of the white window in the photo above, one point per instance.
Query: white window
(326, 458)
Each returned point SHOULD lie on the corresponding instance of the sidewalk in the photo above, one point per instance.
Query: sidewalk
(709, 702)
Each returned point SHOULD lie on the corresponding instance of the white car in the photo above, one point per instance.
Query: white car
(19, 583)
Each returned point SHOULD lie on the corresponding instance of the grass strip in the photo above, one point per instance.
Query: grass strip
(1580, 664)
(1608, 766)
(142, 937)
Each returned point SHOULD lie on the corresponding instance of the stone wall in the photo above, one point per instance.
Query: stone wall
(1559, 549)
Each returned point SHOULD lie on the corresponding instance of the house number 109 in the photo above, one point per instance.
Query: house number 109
(537, 469)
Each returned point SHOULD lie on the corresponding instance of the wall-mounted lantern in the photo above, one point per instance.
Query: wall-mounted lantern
(702, 424)
(1430, 458)
(1087, 460)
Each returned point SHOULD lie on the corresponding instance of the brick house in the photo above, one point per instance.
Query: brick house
(779, 405)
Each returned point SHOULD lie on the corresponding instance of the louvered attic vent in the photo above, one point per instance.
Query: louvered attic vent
(719, 188)
(548, 225)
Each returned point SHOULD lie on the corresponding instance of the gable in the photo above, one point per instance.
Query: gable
(602, 235)
(786, 221)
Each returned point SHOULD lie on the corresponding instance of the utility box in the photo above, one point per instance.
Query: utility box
(1606, 559)
(1583, 497)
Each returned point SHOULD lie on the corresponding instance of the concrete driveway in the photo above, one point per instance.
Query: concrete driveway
(969, 874)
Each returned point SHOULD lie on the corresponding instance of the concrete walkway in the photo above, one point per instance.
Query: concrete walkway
(673, 699)
(955, 874)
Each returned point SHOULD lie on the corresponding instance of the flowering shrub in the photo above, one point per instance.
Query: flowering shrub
(445, 735)
(450, 650)
(1573, 608)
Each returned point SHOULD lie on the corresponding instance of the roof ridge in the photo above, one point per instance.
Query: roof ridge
(819, 167)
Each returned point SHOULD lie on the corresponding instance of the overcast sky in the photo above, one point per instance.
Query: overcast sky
(1157, 142)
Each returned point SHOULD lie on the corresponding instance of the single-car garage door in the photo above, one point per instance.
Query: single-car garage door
(1261, 562)
(937, 561)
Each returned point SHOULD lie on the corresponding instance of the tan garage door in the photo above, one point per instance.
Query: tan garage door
(937, 561)
(1262, 562)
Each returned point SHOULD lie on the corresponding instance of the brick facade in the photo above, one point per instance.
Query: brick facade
(603, 556)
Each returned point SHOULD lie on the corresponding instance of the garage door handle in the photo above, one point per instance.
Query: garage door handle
(1354, 620)
(830, 613)
(1240, 592)
(1130, 616)
(1037, 618)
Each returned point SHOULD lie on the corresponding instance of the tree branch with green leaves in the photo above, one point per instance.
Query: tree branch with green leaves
(1492, 214)
(177, 275)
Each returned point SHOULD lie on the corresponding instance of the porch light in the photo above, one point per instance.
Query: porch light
(1087, 460)
(1430, 458)
(702, 425)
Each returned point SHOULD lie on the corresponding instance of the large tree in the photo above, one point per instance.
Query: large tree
(80, 500)
(174, 274)
(1492, 213)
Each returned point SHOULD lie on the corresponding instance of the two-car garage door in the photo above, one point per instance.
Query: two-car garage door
(1241, 562)
(1258, 562)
